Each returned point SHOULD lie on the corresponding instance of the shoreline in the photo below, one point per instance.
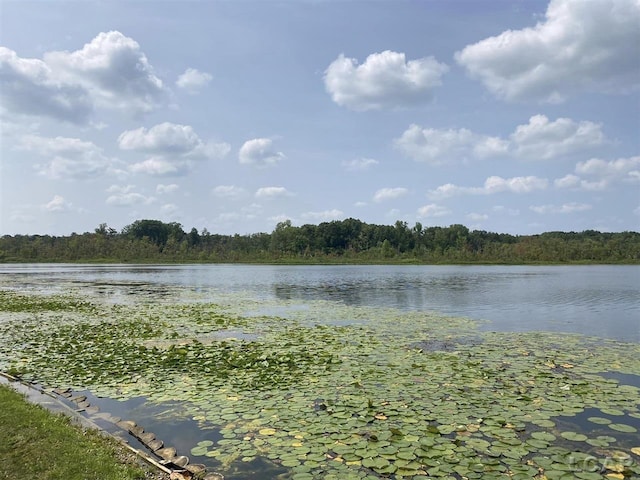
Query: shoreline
(128, 455)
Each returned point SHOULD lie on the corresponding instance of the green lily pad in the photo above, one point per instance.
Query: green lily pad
(199, 451)
(599, 420)
(574, 436)
(621, 427)
(545, 436)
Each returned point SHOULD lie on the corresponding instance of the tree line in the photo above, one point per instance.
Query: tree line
(340, 241)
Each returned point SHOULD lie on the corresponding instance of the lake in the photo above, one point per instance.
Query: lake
(358, 372)
(598, 300)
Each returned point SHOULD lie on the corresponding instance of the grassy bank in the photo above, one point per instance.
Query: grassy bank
(35, 443)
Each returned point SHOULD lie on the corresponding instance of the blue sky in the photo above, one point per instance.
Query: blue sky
(508, 116)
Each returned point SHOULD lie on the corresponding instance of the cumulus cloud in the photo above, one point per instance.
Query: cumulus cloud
(171, 139)
(272, 192)
(384, 194)
(620, 168)
(580, 46)
(384, 80)
(166, 137)
(68, 158)
(228, 191)
(565, 208)
(192, 80)
(58, 205)
(28, 86)
(109, 72)
(124, 196)
(113, 69)
(435, 146)
(160, 167)
(173, 148)
(259, 152)
(574, 182)
(601, 174)
(359, 164)
(539, 139)
(433, 210)
(492, 185)
(324, 216)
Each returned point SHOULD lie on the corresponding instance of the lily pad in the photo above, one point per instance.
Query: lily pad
(599, 420)
(621, 427)
(574, 436)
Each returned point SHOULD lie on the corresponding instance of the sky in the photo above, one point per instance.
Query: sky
(512, 116)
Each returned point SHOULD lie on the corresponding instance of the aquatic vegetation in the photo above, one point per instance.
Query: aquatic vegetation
(333, 391)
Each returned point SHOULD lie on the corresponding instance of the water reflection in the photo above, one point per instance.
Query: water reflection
(600, 300)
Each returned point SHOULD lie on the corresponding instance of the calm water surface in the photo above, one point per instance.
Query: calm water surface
(601, 300)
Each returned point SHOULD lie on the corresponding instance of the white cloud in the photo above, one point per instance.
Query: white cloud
(171, 139)
(192, 80)
(173, 146)
(124, 196)
(568, 181)
(58, 205)
(433, 210)
(384, 80)
(492, 185)
(271, 192)
(541, 139)
(166, 137)
(229, 191)
(69, 158)
(384, 194)
(161, 189)
(436, 146)
(120, 188)
(109, 72)
(28, 86)
(580, 46)
(565, 208)
(359, 164)
(260, 152)
(488, 147)
(576, 183)
(160, 167)
(113, 69)
(323, 216)
(604, 174)
(528, 184)
(619, 169)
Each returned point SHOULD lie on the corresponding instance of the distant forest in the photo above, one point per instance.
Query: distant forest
(345, 241)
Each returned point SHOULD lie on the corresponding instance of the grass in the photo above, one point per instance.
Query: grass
(35, 443)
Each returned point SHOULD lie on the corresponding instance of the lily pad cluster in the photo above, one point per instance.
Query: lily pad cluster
(332, 391)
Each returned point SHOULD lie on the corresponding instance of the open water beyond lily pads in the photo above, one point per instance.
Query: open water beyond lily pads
(346, 371)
